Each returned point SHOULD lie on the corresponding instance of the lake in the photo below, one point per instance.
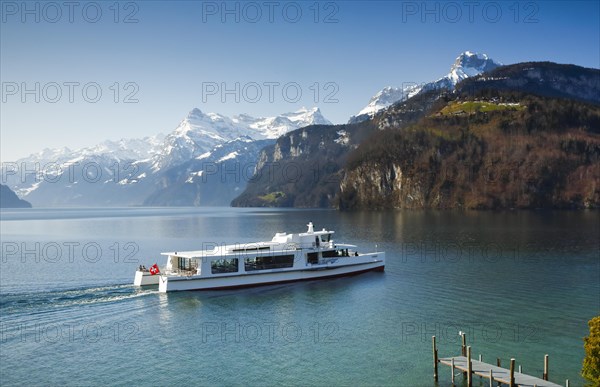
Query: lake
(521, 284)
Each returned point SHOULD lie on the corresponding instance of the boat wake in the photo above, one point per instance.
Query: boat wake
(43, 301)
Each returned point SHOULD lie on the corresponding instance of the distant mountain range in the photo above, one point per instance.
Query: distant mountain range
(156, 170)
(467, 64)
(483, 136)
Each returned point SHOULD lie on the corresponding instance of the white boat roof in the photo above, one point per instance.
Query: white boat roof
(281, 242)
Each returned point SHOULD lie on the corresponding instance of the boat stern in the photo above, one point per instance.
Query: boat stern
(144, 278)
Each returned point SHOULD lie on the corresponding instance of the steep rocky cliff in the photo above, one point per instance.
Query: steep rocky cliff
(302, 169)
(535, 153)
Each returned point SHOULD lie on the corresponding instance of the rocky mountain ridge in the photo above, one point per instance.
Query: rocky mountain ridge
(519, 136)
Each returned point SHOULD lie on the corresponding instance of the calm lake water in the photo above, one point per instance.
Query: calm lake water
(520, 284)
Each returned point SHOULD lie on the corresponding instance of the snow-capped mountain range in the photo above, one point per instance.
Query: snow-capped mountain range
(124, 149)
(192, 164)
(467, 64)
(198, 133)
(128, 171)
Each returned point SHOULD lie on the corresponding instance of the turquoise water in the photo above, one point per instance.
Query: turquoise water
(520, 284)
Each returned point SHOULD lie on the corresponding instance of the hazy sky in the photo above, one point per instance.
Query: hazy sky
(77, 73)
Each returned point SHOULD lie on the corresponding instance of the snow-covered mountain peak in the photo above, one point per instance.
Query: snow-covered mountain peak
(49, 155)
(306, 117)
(467, 64)
(199, 132)
(384, 98)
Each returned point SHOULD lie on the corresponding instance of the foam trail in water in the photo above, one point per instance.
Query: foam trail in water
(43, 300)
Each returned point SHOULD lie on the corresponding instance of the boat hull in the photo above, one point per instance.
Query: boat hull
(178, 283)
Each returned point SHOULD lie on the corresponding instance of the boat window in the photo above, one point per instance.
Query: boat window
(325, 238)
(244, 249)
(312, 258)
(224, 265)
(269, 262)
(186, 264)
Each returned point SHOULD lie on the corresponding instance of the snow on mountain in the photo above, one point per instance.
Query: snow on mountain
(47, 156)
(199, 132)
(466, 65)
(124, 149)
(274, 127)
(196, 134)
(214, 178)
(470, 64)
(53, 166)
(128, 149)
(387, 96)
(126, 171)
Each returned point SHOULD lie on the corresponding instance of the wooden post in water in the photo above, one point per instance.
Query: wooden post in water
(512, 373)
(498, 362)
(469, 368)
(452, 368)
(491, 378)
(435, 359)
(463, 350)
(545, 376)
(567, 383)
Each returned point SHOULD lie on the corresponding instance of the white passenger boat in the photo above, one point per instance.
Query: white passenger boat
(286, 258)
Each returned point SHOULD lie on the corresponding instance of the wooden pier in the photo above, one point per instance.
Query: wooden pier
(495, 373)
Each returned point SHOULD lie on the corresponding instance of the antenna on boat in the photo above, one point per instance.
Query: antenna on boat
(310, 228)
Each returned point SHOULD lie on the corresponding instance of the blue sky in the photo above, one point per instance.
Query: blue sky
(153, 61)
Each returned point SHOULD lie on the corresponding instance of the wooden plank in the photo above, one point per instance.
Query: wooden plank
(501, 375)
